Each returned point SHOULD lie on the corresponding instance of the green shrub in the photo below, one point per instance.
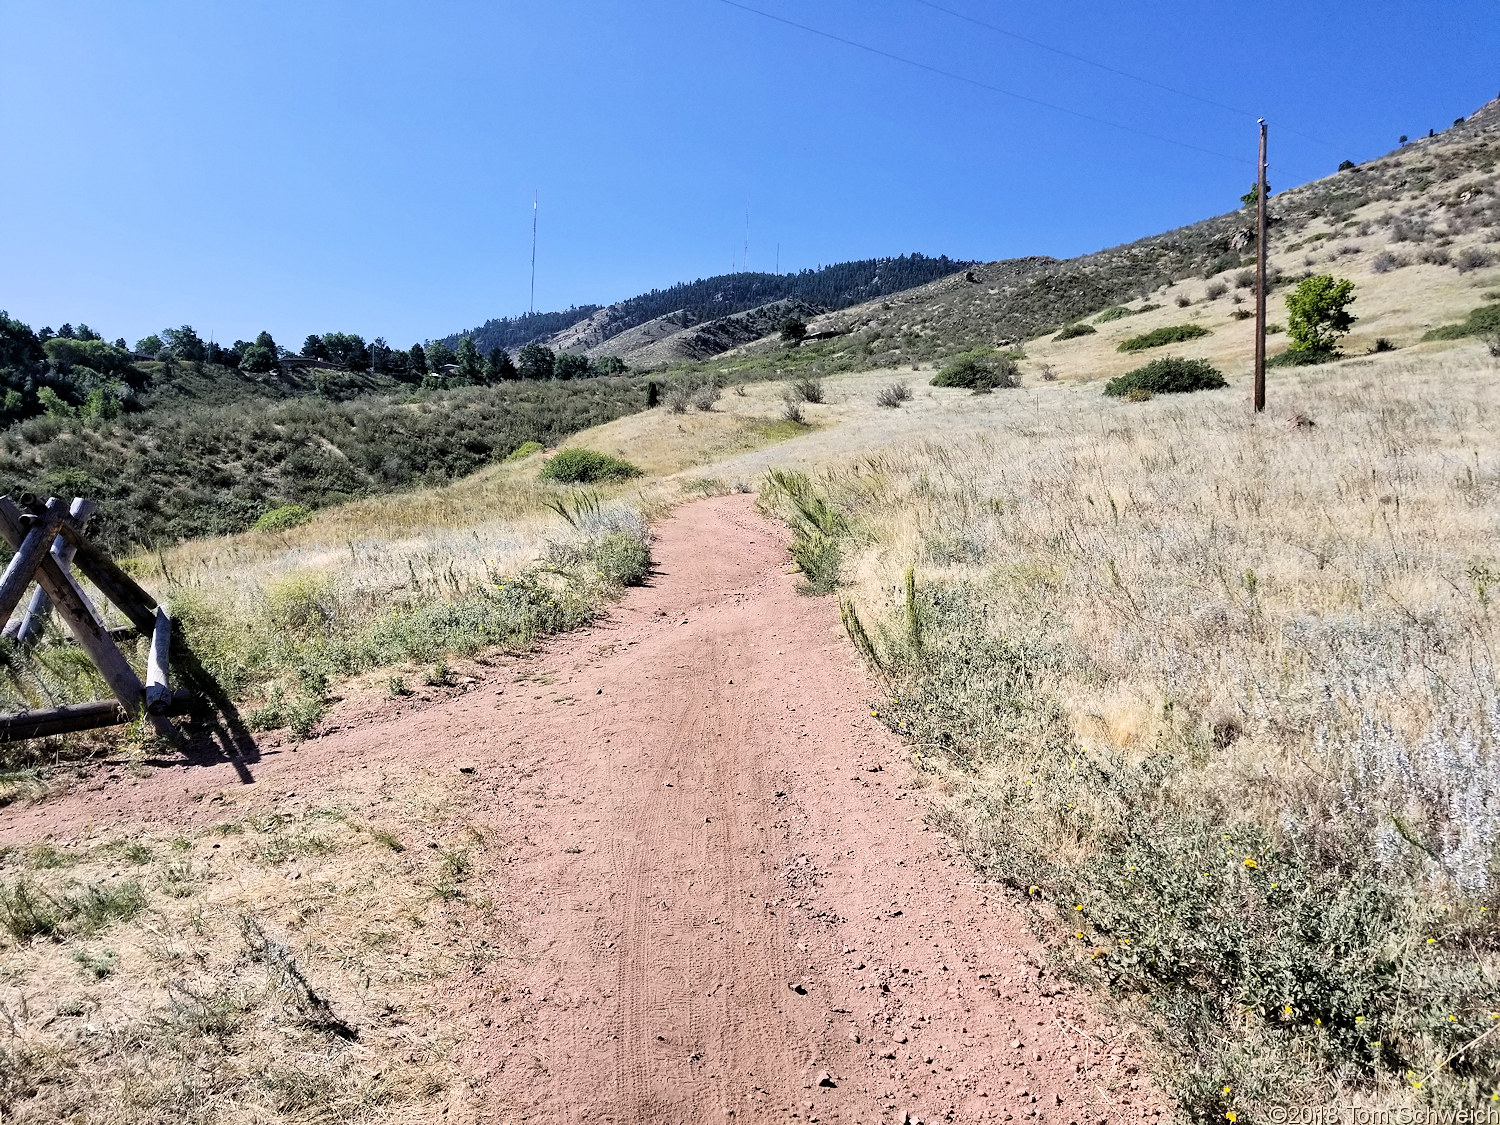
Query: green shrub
(284, 517)
(584, 466)
(1172, 375)
(1170, 334)
(1115, 312)
(95, 963)
(1302, 357)
(1484, 319)
(524, 450)
(1318, 312)
(1074, 330)
(979, 371)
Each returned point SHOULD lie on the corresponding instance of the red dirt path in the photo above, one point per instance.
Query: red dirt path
(730, 906)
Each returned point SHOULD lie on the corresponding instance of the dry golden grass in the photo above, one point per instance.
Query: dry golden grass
(1286, 634)
(1399, 306)
(285, 964)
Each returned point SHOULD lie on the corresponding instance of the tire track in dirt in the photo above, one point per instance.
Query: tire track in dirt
(726, 903)
(789, 941)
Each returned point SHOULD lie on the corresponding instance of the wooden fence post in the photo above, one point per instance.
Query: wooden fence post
(73, 608)
(158, 689)
(31, 548)
(27, 628)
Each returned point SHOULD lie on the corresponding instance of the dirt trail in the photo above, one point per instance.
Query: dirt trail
(728, 902)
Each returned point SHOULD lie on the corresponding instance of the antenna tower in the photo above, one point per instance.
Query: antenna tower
(533, 254)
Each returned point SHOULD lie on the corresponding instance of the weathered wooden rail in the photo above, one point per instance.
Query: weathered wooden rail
(49, 542)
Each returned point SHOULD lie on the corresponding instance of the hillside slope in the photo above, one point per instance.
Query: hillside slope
(1433, 204)
(680, 336)
(830, 287)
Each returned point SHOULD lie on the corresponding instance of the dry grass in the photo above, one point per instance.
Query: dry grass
(287, 963)
(1140, 628)
(1135, 634)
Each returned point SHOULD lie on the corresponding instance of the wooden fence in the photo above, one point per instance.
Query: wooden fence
(49, 542)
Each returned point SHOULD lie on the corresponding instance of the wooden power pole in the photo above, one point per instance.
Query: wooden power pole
(1260, 278)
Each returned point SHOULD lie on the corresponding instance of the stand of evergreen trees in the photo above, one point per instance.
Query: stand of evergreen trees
(830, 287)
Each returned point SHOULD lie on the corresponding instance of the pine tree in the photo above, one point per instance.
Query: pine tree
(470, 365)
(499, 366)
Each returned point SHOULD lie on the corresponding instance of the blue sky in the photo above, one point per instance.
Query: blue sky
(368, 167)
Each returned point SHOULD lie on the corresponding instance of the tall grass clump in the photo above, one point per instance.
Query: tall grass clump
(807, 388)
(285, 642)
(1229, 723)
(818, 531)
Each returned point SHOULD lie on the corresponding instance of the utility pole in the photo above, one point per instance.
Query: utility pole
(1260, 278)
(533, 253)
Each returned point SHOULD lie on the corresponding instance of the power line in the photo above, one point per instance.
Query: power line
(1106, 67)
(980, 84)
(1078, 58)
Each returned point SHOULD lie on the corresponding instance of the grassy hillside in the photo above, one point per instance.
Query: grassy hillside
(211, 450)
(1433, 205)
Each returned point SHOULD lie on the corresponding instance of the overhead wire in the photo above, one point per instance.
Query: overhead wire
(953, 75)
(964, 16)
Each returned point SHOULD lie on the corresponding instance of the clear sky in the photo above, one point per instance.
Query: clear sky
(368, 167)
